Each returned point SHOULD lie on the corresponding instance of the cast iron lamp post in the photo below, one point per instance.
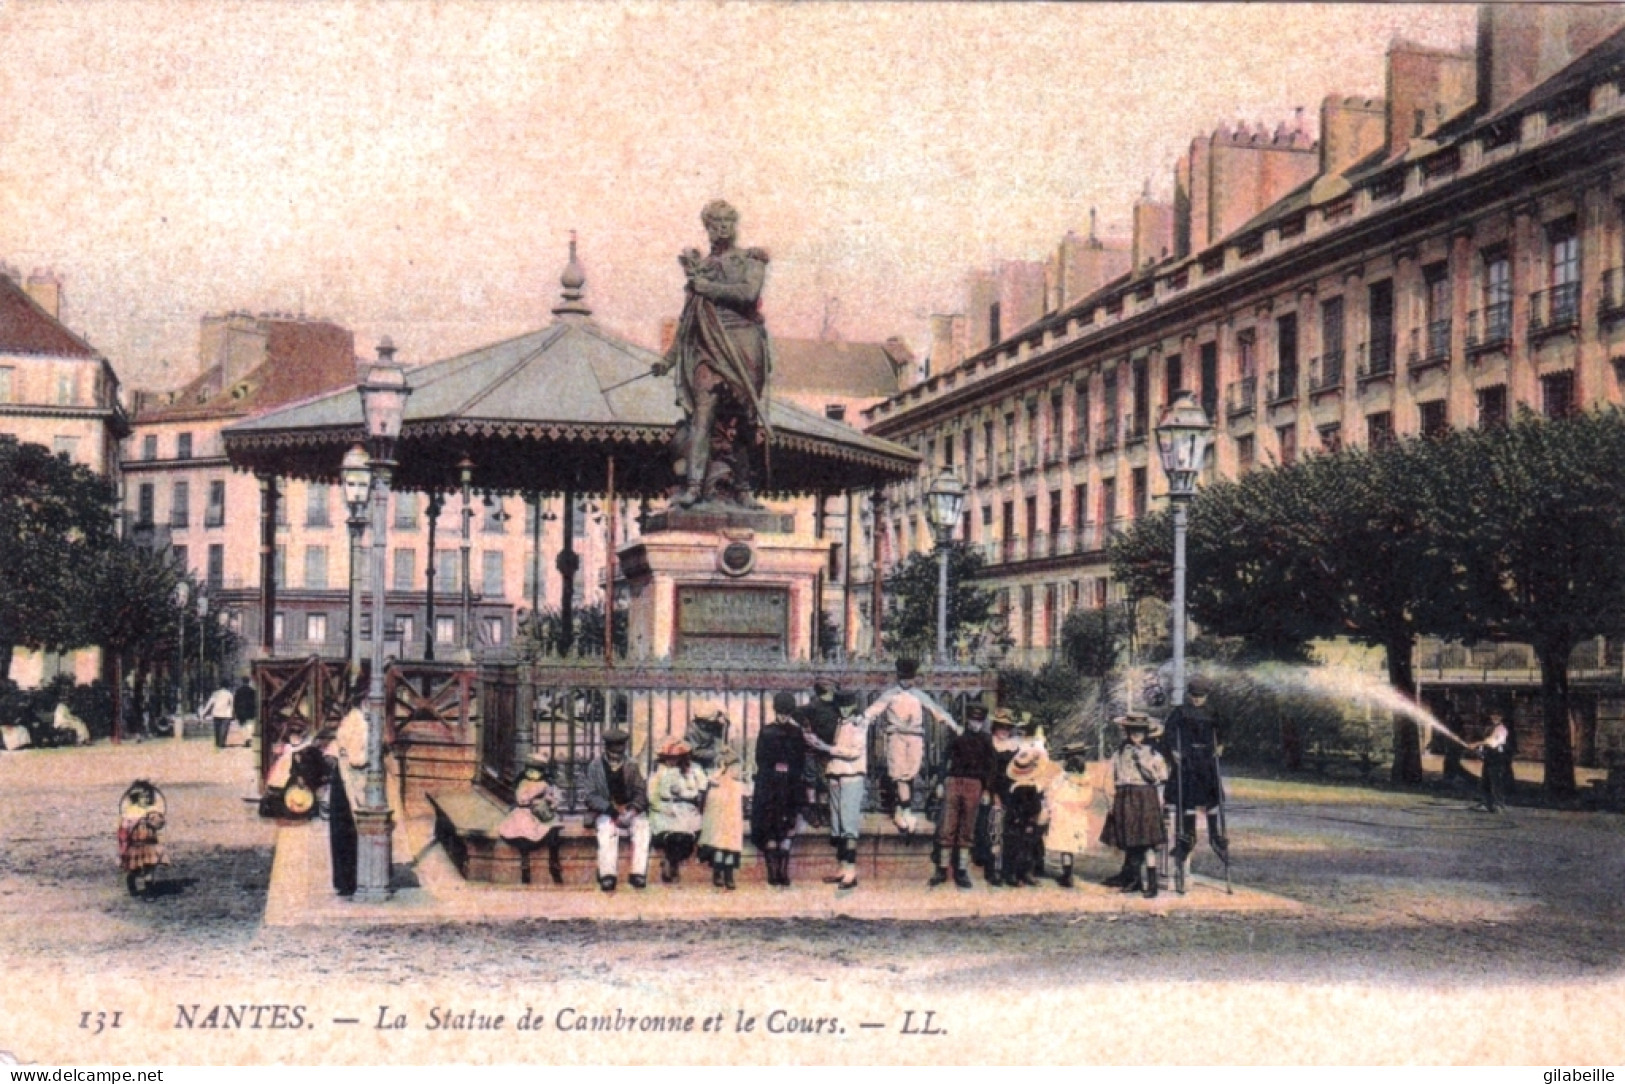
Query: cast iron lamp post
(183, 598)
(1183, 433)
(465, 475)
(942, 508)
(357, 477)
(383, 404)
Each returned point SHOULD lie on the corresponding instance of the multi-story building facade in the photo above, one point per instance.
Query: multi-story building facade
(59, 391)
(1442, 257)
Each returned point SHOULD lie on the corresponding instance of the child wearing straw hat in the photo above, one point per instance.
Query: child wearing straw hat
(675, 793)
(534, 821)
(1134, 825)
(1023, 805)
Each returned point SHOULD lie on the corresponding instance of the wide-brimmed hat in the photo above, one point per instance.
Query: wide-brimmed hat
(616, 737)
(1026, 762)
(1139, 720)
(675, 750)
(1004, 717)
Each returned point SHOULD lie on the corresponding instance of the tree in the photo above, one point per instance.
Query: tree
(1540, 517)
(910, 626)
(55, 516)
(1334, 545)
(126, 599)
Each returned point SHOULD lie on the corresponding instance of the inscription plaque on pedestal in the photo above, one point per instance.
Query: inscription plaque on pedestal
(717, 621)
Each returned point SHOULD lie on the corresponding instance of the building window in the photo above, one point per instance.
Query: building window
(1286, 356)
(1209, 391)
(1108, 501)
(1173, 377)
(494, 632)
(1492, 406)
(445, 629)
(1331, 437)
(8, 384)
(180, 557)
(1557, 394)
(279, 566)
(445, 571)
(1244, 453)
(406, 570)
(1080, 506)
(1246, 354)
(180, 505)
(835, 412)
(366, 625)
(65, 446)
(279, 627)
(405, 628)
(149, 446)
(144, 504)
(215, 514)
(316, 502)
(316, 628)
(1435, 418)
(1080, 418)
(406, 511)
(993, 329)
(1110, 421)
(183, 446)
(1379, 428)
(1331, 328)
(1026, 615)
(1057, 426)
(970, 453)
(496, 516)
(948, 451)
(1139, 491)
(64, 387)
(835, 556)
(316, 568)
(217, 566)
(491, 573)
(1286, 438)
(1380, 322)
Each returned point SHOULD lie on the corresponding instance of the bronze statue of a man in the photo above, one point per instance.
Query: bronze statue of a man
(722, 361)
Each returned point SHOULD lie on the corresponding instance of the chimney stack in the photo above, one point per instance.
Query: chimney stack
(46, 289)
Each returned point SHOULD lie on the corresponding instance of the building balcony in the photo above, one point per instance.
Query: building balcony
(984, 473)
(1554, 311)
(1611, 297)
(1079, 447)
(1326, 373)
(1106, 442)
(1489, 328)
(1029, 460)
(1375, 361)
(1012, 549)
(1282, 386)
(1052, 451)
(1429, 347)
(1241, 397)
(1135, 430)
(1007, 465)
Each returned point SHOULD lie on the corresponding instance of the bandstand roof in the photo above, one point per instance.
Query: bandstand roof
(543, 413)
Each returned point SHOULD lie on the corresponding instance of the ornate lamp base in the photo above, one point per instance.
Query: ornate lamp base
(374, 831)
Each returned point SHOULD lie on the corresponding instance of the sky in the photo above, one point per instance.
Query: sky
(415, 169)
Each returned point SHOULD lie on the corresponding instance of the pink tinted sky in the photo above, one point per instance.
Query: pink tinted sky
(414, 169)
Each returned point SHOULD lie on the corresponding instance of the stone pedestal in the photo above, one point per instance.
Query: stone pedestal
(713, 586)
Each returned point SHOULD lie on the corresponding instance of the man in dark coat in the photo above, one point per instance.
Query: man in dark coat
(1190, 742)
(245, 703)
(618, 799)
(967, 788)
(823, 718)
(780, 760)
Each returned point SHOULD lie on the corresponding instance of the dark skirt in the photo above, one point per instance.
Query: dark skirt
(773, 807)
(1135, 819)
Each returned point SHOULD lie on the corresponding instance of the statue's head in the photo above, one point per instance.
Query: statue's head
(720, 219)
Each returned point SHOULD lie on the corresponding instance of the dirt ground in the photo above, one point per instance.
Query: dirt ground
(1406, 894)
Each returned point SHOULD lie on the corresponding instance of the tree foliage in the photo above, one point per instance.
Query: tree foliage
(910, 626)
(1503, 534)
(55, 517)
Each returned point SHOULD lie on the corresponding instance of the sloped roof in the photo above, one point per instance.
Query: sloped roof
(303, 358)
(25, 328)
(858, 370)
(543, 412)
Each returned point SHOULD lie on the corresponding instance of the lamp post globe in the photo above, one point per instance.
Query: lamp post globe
(944, 503)
(1183, 434)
